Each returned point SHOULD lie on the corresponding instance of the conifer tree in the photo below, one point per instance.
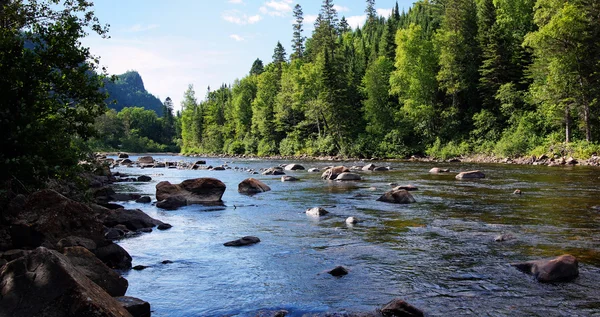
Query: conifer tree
(298, 39)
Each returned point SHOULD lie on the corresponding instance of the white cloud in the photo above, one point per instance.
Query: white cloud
(236, 1)
(237, 17)
(277, 8)
(142, 28)
(356, 20)
(339, 8)
(309, 18)
(236, 37)
(386, 13)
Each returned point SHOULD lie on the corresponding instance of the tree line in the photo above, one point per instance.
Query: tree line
(445, 78)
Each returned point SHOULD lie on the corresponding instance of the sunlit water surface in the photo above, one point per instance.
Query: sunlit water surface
(438, 254)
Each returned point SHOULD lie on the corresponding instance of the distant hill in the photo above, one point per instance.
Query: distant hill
(128, 91)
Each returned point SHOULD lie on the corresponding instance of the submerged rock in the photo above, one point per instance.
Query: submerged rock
(247, 240)
(289, 179)
(251, 186)
(400, 308)
(517, 192)
(470, 175)
(352, 220)
(338, 271)
(561, 269)
(313, 170)
(504, 237)
(393, 196)
(316, 212)
(406, 187)
(437, 170)
(348, 177)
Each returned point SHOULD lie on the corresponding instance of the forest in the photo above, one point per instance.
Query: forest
(446, 78)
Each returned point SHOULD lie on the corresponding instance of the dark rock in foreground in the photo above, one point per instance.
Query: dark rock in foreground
(393, 196)
(114, 256)
(135, 306)
(84, 260)
(251, 186)
(45, 283)
(247, 240)
(133, 219)
(561, 269)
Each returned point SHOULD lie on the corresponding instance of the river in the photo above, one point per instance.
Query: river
(438, 254)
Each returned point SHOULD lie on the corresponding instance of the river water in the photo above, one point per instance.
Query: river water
(438, 254)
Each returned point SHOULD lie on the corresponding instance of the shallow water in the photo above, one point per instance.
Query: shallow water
(438, 254)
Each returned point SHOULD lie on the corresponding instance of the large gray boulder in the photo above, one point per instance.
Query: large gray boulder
(561, 269)
(145, 159)
(274, 171)
(45, 283)
(294, 167)
(193, 191)
(333, 172)
(251, 186)
(348, 177)
(401, 196)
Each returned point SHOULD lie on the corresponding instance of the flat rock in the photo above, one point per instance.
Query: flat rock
(274, 171)
(470, 175)
(561, 269)
(133, 219)
(251, 186)
(401, 196)
(45, 283)
(289, 179)
(247, 240)
(135, 306)
(316, 212)
(436, 170)
(348, 177)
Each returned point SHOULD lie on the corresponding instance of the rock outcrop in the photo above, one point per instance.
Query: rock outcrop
(192, 191)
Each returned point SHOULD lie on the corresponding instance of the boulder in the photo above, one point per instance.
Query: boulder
(76, 242)
(437, 170)
(313, 170)
(114, 256)
(406, 187)
(561, 269)
(316, 212)
(400, 308)
(247, 240)
(504, 237)
(123, 155)
(274, 171)
(517, 192)
(294, 167)
(88, 264)
(192, 191)
(172, 203)
(251, 186)
(218, 168)
(135, 306)
(47, 217)
(114, 234)
(348, 177)
(145, 160)
(470, 175)
(45, 283)
(381, 169)
(369, 167)
(14, 254)
(124, 197)
(144, 178)
(352, 220)
(144, 200)
(164, 226)
(338, 271)
(333, 172)
(133, 219)
(397, 197)
(289, 179)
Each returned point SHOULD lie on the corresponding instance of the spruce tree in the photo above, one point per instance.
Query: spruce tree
(298, 39)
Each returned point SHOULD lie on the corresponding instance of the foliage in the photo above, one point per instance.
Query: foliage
(128, 91)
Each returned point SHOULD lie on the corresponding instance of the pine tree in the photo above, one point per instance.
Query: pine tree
(370, 11)
(298, 39)
(279, 54)
(257, 68)
(344, 26)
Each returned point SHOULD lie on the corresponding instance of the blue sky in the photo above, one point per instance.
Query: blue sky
(205, 43)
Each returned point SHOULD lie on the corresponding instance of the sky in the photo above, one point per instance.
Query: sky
(173, 44)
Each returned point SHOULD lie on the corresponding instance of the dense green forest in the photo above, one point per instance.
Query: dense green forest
(446, 78)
